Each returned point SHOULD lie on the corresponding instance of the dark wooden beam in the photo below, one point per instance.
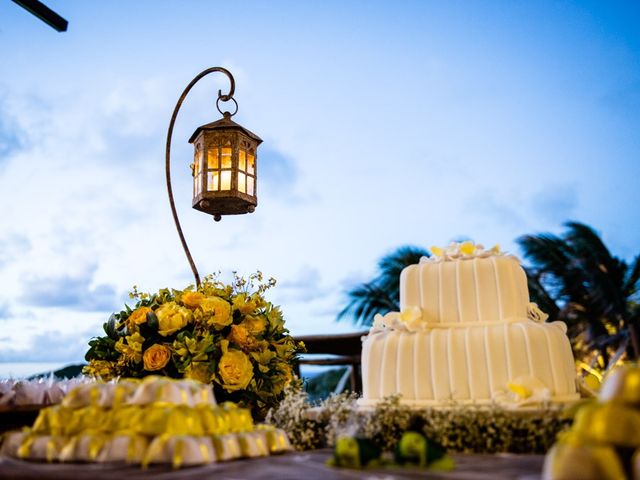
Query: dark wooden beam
(44, 13)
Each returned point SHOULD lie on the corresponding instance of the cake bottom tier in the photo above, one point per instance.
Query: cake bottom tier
(472, 364)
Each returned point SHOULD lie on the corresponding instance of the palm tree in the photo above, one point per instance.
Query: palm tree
(382, 294)
(574, 278)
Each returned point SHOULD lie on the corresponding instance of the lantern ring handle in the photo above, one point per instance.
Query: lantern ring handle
(226, 100)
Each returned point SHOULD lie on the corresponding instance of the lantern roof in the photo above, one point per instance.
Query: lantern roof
(225, 123)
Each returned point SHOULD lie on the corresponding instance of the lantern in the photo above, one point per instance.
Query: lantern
(224, 168)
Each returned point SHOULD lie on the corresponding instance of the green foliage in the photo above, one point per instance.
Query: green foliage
(574, 278)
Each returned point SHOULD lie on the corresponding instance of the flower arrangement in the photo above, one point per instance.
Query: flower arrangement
(224, 334)
(460, 429)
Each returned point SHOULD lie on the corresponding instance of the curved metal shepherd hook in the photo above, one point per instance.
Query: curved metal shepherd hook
(224, 98)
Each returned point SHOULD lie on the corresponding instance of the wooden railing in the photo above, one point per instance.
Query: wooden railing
(341, 349)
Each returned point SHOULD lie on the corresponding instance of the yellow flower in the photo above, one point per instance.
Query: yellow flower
(156, 357)
(217, 311)
(240, 336)
(172, 317)
(101, 368)
(137, 317)
(254, 325)
(194, 348)
(192, 300)
(131, 350)
(243, 304)
(235, 370)
(198, 371)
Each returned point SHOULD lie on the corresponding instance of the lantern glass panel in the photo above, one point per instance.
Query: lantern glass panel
(250, 185)
(212, 158)
(242, 164)
(225, 179)
(242, 182)
(197, 167)
(212, 181)
(226, 157)
(252, 165)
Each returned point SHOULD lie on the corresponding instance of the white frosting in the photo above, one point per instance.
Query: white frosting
(466, 332)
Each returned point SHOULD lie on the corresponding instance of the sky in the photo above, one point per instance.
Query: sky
(384, 124)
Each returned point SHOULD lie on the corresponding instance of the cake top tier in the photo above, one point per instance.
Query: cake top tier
(462, 251)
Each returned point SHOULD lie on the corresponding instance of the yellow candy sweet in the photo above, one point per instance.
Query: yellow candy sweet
(608, 423)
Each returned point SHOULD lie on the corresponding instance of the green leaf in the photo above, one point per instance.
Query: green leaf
(152, 321)
(110, 327)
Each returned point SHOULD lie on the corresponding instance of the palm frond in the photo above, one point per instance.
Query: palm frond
(365, 301)
(632, 278)
(382, 294)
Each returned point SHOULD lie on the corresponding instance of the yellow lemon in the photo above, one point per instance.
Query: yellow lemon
(622, 385)
(568, 462)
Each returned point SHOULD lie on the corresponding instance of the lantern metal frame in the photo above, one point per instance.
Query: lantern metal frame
(241, 137)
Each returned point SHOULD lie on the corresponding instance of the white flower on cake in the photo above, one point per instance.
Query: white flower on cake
(464, 250)
(411, 318)
(534, 313)
(523, 390)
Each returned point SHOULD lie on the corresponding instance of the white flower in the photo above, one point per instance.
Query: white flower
(523, 391)
(534, 313)
(411, 318)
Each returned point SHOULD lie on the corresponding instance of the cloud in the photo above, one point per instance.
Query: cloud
(5, 312)
(555, 204)
(623, 101)
(304, 286)
(50, 346)
(493, 207)
(277, 172)
(13, 246)
(69, 291)
(11, 136)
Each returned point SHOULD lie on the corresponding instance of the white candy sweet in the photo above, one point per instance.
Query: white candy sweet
(227, 447)
(124, 448)
(179, 450)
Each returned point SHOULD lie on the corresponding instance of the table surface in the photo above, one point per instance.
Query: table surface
(295, 465)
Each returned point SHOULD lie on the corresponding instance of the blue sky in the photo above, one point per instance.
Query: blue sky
(384, 124)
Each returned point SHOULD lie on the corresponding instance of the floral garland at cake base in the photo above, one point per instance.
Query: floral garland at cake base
(459, 429)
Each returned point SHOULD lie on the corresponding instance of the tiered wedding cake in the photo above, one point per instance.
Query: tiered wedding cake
(467, 333)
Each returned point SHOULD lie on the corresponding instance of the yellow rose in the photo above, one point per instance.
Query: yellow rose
(192, 300)
(137, 317)
(254, 325)
(217, 311)
(172, 317)
(156, 357)
(198, 371)
(235, 370)
(240, 336)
